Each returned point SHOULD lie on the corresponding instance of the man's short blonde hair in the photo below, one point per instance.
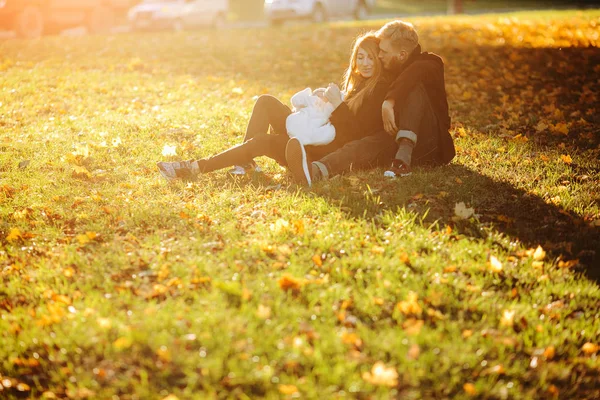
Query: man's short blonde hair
(402, 34)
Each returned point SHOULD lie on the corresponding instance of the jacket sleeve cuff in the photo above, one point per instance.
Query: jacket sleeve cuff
(339, 114)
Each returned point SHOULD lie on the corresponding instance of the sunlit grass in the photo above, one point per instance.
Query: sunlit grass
(115, 283)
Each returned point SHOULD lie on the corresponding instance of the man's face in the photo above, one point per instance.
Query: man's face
(389, 56)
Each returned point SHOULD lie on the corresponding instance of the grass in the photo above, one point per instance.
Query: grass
(414, 7)
(116, 284)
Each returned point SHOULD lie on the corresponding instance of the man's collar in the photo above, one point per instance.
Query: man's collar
(413, 56)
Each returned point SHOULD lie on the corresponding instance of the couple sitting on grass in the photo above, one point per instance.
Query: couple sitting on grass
(394, 114)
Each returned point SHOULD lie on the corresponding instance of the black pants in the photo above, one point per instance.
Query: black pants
(267, 112)
(414, 114)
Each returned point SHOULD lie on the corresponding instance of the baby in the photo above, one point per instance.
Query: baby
(310, 120)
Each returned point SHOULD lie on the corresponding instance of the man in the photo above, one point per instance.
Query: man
(415, 116)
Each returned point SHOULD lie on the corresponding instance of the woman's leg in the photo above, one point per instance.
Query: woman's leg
(272, 146)
(268, 111)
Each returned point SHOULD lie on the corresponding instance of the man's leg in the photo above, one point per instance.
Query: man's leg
(417, 135)
(368, 152)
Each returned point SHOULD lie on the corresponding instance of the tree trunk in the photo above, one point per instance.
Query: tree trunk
(455, 7)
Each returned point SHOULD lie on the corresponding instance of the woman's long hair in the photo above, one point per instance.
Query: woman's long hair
(353, 79)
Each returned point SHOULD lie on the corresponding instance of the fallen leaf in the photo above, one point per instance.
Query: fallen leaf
(414, 352)
(168, 150)
(410, 306)
(549, 353)
(462, 211)
(508, 317)
(381, 375)
(566, 159)
(469, 389)
(539, 254)
(590, 348)
(14, 235)
(494, 264)
(287, 282)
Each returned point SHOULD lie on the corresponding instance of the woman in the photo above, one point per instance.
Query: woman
(359, 115)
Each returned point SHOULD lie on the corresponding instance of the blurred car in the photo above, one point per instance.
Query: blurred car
(33, 18)
(278, 11)
(178, 14)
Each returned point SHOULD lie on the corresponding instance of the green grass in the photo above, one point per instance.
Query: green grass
(116, 284)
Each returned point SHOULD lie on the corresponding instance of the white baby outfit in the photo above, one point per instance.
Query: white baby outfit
(310, 120)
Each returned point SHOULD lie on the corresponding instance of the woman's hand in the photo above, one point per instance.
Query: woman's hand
(334, 95)
(389, 119)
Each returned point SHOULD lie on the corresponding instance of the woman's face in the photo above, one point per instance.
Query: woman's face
(365, 63)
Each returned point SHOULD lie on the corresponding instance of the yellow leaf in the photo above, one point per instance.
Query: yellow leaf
(413, 326)
(237, 90)
(81, 173)
(14, 235)
(561, 127)
(317, 260)
(410, 306)
(566, 159)
(549, 352)
(352, 339)
(539, 254)
(287, 389)
(469, 389)
(122, 343)
(169, 150)
(508, 318)
(299, 227)
(495, 265)
(280, 226)
(380, 375)
(590, 348)
(171, 397)
(377, 250)
(288, 282)
(263, 312)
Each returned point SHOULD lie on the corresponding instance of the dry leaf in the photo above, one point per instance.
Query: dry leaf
(413, 326)
(317, 260)
(81, 173)
(263, 312)
(566, 159)
(287, 282)
(539, 254)
(494, 264)
(508, 318)
(380, 375)
(590, 348)
(469, 389)
(414, 352)
(462, 211)
(14, 235)
(549, 353)
(410, 306)
(169, 151)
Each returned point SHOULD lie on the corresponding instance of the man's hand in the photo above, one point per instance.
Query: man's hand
(389, 119)
(334, 95)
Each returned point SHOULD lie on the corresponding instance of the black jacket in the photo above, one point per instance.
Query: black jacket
(349, 126)
(428, 69)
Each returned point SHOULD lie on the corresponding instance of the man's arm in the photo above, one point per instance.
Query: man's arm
(417, 72)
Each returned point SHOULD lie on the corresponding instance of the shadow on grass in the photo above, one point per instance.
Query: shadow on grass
(433, 193)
